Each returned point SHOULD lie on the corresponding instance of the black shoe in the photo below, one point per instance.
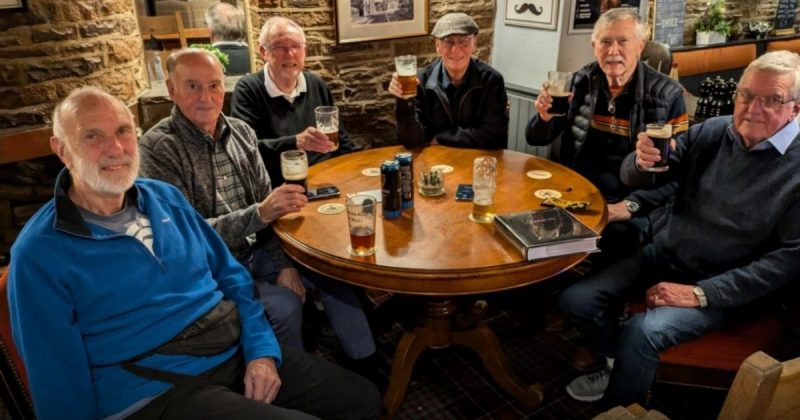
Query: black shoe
(368, 367)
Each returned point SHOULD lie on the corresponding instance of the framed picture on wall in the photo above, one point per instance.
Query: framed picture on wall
(370, 20)
(534, 14)
(13, 6)
(584, 13)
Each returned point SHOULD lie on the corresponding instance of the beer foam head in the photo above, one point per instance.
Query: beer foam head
(661, 131)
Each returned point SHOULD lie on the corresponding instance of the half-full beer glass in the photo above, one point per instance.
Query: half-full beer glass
(661, 135)
(484, 183)
(558, 87)
(406, 66)
(361, 221)
(328, 122)
(294, 167)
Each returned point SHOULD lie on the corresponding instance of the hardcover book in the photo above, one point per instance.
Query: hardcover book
(547, 233)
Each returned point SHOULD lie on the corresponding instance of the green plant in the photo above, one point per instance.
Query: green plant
(223, 58)
(713, 19)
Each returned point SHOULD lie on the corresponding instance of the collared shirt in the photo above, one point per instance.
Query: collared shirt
(780, 140)
(274, 92)
(229, 43)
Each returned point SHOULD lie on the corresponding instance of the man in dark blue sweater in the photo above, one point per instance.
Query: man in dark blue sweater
(278, 102)
(731, 242)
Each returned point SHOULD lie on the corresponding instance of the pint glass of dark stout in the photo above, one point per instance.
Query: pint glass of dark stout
(558, 87)
(361, 215)
(294, 167)
(661, 135)
(327, 118)
(406, 67)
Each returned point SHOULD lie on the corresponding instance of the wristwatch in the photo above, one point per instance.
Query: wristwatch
(632, 206)
(701, 296)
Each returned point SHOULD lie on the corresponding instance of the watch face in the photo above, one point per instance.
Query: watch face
(632, 206)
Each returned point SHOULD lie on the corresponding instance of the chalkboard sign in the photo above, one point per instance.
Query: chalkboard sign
(784, 15)
(669, 18)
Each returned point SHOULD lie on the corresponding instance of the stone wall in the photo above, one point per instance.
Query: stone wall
(62, 44)
(737, 10)
(359, 74)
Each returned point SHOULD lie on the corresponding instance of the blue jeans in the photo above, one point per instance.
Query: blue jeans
(284, 308)
(595, 304)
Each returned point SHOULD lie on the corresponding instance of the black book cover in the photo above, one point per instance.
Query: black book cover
(547, 233)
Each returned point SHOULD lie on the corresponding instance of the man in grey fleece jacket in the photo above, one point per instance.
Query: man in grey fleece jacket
(731, 245)
(214, 161)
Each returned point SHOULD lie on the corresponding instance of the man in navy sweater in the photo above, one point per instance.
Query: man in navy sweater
(732, 240)
(278, 102)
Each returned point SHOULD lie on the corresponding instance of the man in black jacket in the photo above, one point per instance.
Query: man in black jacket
(613, 98)
(278, 102)
(460, 101)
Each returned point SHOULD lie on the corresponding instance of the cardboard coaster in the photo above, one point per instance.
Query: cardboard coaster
(332, 208)
(371, 172)
(539, 174)
(544, 193)
(444, 168)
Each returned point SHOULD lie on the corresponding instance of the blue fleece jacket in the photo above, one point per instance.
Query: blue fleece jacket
(84, 299)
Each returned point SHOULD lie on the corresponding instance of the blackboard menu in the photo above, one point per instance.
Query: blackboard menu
(669, 18)
(784, 15)
(586, 12)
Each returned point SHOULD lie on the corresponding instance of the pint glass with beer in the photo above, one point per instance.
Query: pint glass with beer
(484, 183)
(661, 135)
(406, 66)
(294, 167)
(558, 87)
(361, 218)
(328, 122)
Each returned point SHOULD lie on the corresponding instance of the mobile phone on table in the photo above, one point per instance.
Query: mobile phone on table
(464, 192)
(323, 191)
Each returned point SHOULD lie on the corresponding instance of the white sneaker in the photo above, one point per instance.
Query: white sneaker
(589, 387)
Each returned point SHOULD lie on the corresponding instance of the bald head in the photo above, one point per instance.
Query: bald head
(196, 85)
(81, 99)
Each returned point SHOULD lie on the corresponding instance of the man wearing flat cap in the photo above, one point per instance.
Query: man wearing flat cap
(460, 101)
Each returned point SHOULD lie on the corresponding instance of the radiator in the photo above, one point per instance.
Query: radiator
(520, 112)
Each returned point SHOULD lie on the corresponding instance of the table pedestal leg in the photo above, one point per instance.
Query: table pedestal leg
(436, 333)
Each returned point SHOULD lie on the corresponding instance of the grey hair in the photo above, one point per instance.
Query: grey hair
(172, 61)
(618, 14)
(225, 22)
(68, 107)
(272, 24)
(781, 62)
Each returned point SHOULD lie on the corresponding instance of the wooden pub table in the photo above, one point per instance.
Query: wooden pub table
(435, 250)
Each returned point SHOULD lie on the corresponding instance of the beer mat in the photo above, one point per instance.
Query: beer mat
(331, 208)
(544, 193)
(376, 194)
(565, 204)
(444, 168)
(371, 172)
(539, 174)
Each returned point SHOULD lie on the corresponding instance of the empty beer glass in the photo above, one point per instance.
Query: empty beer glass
(328, 122)
(406, 66)
(294, 167)
(558, 87)
(484, 183)
(661, 135)
(361, 222)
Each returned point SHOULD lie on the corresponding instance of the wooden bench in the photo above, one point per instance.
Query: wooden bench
(694, 65)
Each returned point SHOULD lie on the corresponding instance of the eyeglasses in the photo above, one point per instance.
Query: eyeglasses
(462, 41)
(284, 49)
(774, 102)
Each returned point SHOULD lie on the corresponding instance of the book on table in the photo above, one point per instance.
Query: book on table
(547, 233)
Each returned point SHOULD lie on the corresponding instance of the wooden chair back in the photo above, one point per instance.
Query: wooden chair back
(161, 28)
(764, 389)
(13, 379)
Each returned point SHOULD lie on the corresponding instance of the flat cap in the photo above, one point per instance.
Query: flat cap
(454, 24)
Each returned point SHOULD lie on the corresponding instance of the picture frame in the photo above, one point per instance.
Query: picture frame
(532, 14)
(10, 6)
(371, 20)
(584, 13)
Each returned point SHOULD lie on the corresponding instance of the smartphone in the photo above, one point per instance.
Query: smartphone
(325, 191)
(464, 192)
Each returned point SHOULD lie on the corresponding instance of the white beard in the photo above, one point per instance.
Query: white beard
(115, 183)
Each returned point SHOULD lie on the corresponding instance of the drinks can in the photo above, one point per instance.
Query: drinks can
(406, 179)
(391, 189)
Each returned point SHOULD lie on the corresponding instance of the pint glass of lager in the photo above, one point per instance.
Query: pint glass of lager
(661, 135)
(328, 122)
(558, 87)
(406, 66)
(484, 183)
(294, 167)
(361, 212)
